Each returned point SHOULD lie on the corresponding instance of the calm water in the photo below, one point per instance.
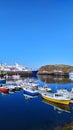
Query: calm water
(19, 113)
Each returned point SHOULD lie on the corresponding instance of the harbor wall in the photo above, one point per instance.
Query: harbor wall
(21, 73)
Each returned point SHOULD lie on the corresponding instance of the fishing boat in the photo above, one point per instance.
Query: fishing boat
(2, 80)
(30, 90)
(55, 97)
(63, 92)
(13, 87)
(32, 83)
(4, 90)
(29, 83)
(44, 89)
(71, 94)
(66, 93)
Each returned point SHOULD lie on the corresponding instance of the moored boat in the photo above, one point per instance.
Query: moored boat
(71, 75)
(13, 87)
(30, 91)
(55, 97)
(44, 89)
(71, 94)
(63, 92)
(2, 81)
(4, 90)
(66, 93)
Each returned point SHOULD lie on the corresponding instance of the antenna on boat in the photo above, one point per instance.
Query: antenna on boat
(56, 82)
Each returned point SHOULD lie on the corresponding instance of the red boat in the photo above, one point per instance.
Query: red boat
(4, 90)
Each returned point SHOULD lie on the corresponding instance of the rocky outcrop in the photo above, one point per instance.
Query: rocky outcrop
(55, 69)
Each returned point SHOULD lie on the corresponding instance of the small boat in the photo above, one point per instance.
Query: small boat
(30, 91)
(29, 84)
(4, 90)
(66, 93)
(71, 94)
(2, 81)
(13, 87)
(55, 97)
(44, 89)
(70, 75)
(63, 92)
(32, 83)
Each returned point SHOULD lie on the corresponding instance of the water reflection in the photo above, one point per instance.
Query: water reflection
(54, 79)
(27, 97)
(58, 107)
(33, 114)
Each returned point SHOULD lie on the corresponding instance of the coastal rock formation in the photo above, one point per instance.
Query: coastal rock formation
(60, 69)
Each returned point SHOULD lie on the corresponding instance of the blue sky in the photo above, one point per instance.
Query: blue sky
(36, 32)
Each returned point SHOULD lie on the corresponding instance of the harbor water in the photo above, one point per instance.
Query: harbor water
(21, 112)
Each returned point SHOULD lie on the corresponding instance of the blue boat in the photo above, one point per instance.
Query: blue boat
(2, 81)
(31, 91)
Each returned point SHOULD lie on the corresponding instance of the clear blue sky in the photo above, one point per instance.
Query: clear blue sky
(36, 32)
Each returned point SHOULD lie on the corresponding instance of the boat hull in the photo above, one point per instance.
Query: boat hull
(31, 93)
(2, 81)
(4, 90)
(56, 100)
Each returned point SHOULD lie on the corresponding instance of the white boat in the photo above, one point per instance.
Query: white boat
(45, 88)
(33, 84)
(71, 75)
(2, 80)
(13, 87)
(66, 93)
(71, 94)
(30, 91)
(26, 83)
(63, 92)
(55, 97)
